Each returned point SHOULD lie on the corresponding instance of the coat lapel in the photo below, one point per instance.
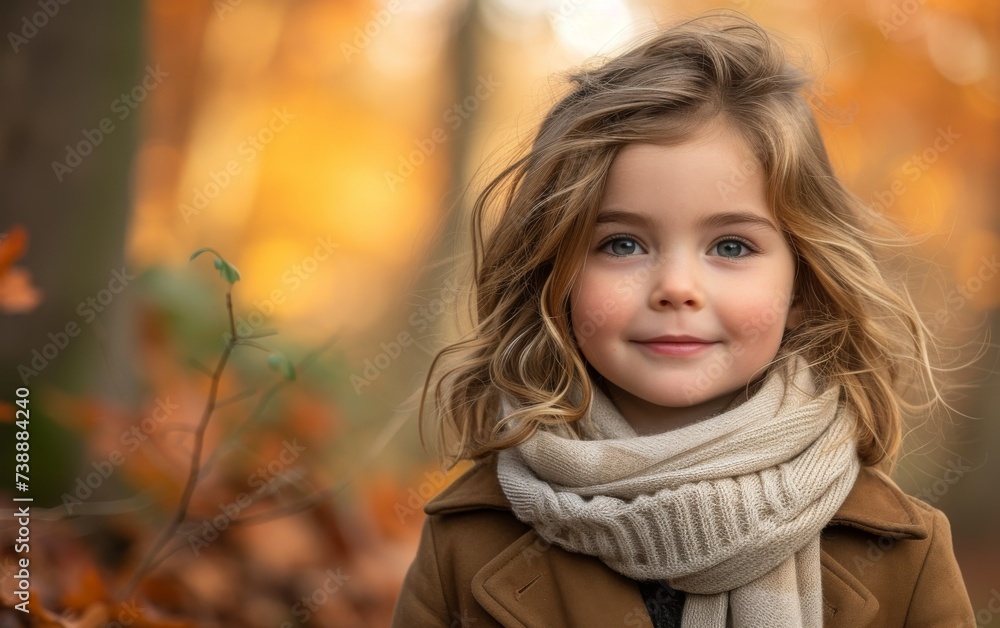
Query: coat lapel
(535, 584)
(846, 601)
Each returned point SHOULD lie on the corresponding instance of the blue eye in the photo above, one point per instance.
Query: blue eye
(629, 246)
(731, 247)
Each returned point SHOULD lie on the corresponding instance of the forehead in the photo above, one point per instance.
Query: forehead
(711, 171)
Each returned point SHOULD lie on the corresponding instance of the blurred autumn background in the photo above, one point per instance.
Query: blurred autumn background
(326, 149)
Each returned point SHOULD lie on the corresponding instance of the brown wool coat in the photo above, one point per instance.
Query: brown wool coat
(887, 560)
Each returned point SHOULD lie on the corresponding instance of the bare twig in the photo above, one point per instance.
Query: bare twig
(183, 542)
(251, 343)
(198, 366)
(240, 396)
(269, 393)
(261, 333)
(193, 473)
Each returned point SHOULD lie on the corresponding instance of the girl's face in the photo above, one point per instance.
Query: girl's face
(686, 288)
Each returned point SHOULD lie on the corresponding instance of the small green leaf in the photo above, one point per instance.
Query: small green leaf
(200, 251)
(281, 364)
(227, 270)
(256, 345)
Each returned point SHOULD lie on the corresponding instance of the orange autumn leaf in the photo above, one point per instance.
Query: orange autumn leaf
(89, 587)
(7, 412)
(13, 244)
(17, 293)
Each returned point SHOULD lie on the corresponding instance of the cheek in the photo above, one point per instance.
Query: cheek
(597, 310)
(758, 318)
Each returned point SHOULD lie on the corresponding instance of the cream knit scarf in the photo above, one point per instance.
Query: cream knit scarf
(728, 510)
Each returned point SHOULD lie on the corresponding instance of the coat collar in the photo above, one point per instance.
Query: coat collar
(523, 582)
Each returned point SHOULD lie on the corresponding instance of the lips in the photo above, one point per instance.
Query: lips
(676, 345)
(682, 339)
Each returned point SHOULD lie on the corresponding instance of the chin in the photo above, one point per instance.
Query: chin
(670, 401)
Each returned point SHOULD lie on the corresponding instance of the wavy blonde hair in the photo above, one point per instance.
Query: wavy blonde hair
(859, 327)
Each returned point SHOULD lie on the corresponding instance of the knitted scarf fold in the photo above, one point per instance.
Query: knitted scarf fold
(729, 509)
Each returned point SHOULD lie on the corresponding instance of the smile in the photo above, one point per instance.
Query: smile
(676, 348)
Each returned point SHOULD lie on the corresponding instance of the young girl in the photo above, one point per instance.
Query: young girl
(687, 365)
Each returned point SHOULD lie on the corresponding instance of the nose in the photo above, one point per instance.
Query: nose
(676, 283)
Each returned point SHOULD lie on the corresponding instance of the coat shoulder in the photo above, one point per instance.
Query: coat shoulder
(479, 487)
(877, 505)
(468, 524)
(891, 553)
(472, 519)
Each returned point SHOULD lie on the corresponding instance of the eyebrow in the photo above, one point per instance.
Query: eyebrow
(720, 219)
